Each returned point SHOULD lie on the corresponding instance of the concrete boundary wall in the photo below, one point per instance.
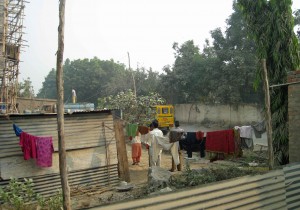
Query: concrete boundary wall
(33, 103)
(229, 114)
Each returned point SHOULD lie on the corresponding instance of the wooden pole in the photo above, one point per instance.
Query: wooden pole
(122, 152)
(3, 96)
(268, 114)
(60, 109)
(134, 87)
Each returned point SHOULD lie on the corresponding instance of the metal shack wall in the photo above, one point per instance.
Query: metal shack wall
(292, 185)
(90, 143)
(250, 192)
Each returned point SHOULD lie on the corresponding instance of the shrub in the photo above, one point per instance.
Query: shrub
(20, 195)
(204, 176)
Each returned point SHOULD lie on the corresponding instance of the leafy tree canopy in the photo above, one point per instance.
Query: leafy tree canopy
(271, 24)
(95, 78)
(223, 72)
(25, 89)
(134, 109)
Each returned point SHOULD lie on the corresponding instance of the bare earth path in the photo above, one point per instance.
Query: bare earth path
(139, 173)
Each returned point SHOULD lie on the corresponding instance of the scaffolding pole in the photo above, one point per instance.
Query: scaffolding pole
(11, 31)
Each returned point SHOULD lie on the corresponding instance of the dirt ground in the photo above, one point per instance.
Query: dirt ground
(138, 178)
(139, 174)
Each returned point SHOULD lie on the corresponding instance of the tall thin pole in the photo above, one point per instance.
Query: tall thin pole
(268, 114)
(60, 109)
(134, 88)
(3, 91)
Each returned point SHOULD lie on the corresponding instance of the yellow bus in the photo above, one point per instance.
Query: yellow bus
(165, 116)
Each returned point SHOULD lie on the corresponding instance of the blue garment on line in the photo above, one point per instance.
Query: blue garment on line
(17, 130)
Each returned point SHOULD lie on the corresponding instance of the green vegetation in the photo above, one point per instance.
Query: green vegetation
(221, 72)
(271, 26)
(19, 195)
(191, 177)
(135, 109)
(25, 89)
(224, 71)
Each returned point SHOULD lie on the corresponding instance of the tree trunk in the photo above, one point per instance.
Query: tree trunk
(268, 114)
(122, 152)
(60, 109)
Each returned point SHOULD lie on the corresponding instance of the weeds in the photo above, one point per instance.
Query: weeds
(19, 195)
(204, 176)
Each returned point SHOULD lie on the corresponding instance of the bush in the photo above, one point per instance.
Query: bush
(204, 176)
(20, 195)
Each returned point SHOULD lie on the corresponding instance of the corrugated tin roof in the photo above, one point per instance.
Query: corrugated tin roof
(12, 115)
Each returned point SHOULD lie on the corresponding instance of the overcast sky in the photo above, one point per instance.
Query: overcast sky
(109, 29)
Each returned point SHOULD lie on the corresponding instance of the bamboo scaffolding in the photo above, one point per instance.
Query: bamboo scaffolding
(11, 31)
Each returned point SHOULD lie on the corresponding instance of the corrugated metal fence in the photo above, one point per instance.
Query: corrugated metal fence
(275, 190)
(292, 183)
(90, 143)
(82, 130)
(95, 178)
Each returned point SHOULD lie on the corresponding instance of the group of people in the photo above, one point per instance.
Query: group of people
(154, 133)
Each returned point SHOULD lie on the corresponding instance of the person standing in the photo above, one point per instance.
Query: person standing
(179, 133)
(154, 152)
(136, 148)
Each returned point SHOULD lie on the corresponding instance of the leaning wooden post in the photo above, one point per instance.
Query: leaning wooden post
(60, 109)
(122, 152)
(268, 114)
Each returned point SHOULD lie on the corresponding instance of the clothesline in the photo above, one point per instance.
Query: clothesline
(36, 147)
(75, 132)
(81, 131)
(18, 132)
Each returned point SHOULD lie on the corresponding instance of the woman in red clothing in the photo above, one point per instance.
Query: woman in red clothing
(136, 148)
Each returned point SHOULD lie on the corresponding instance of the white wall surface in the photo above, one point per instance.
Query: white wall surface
(229, 114)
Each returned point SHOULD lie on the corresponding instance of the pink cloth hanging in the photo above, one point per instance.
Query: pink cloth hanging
(44, 147)
(37, 147)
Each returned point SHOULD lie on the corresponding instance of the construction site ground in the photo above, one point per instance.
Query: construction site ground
(139, 173)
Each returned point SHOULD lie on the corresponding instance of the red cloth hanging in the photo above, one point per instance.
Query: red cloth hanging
(220, 141)
(28, 145)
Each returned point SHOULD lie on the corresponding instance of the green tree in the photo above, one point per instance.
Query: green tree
(169, 89)
(182, 80)
(91, 78)
(270, 23)
(25, 89)
(134, 109)
(223, 72)
(48, 89)
(146, 81)
(297, 22)
(237, 62)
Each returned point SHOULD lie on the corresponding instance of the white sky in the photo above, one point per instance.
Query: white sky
(111, 28)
